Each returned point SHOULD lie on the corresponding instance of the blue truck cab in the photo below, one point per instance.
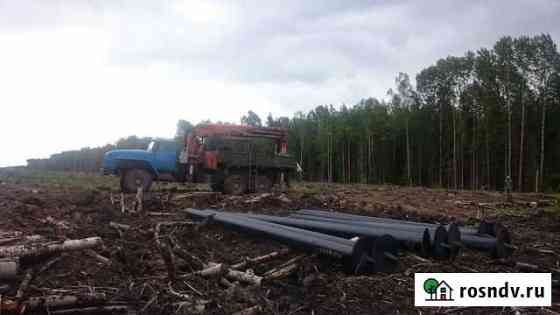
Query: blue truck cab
(141, 167)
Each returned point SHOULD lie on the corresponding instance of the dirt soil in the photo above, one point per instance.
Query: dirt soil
(137, 275)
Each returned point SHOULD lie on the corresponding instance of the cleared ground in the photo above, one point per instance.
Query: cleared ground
(80, 206)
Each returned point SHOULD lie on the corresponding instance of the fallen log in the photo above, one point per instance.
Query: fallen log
(42, 249)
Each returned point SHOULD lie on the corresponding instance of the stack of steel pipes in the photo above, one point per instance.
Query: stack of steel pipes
(362, 255)
(491, 237)
(368, 244)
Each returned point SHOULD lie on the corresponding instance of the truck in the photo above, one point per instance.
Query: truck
(234, 159)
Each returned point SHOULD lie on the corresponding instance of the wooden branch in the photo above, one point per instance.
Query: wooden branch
(65, 300)
(24, 284)
(418, 258)
(58, 223)
(104, 260)
(194, 307)
(185, 255)
(287, 263)
(110, 309)
(8, 240)
(225, 282)
(458, 309)
(9, 234)
(253, 310)
(119, 226)
(282, 272)
(123, 207)
(205, 194)
(46, 266)
(548, 311)
(526, 266)
(166, 253)
(41, 249)
(260, 259)
(247, 277)
(28, 238)
(183, 296)
(138, 206)
(162, 214)
(213, 270)
(52, 301)
(465, 268)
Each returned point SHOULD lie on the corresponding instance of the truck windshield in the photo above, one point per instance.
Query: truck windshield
(151, 146)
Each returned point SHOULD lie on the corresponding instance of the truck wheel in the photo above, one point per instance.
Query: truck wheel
(217, 182)
(263, 184)
(134, 178)
(235, 185)
(217, 186)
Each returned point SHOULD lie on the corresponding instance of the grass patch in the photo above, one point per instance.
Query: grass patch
(87, 181)
(22, 175)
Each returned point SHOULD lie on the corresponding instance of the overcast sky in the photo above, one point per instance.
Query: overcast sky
(84, 73)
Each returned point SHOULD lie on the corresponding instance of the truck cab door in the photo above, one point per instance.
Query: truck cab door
(165, 157)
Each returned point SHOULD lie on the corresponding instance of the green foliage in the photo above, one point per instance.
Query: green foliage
(460, 128)
(183, 128)
(251, 119)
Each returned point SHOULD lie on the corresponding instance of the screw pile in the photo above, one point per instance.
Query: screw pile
(379, 239)
(365, 255)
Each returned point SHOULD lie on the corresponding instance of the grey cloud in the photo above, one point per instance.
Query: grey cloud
(306, 46)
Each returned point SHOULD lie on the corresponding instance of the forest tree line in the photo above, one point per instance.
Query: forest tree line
(474, 121)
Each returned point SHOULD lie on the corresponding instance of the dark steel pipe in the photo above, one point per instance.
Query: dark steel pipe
(442, 245)
(373, 224)
(362, 218)
(365, 255)
(408, 238)
(499, 246)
